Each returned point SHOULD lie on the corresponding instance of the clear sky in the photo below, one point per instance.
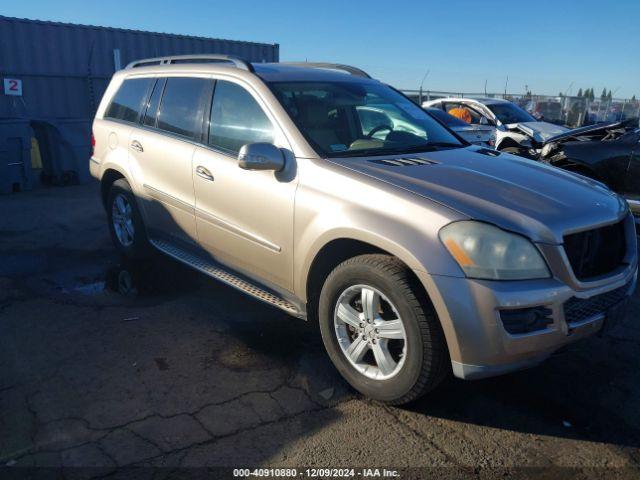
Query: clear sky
(550, 46)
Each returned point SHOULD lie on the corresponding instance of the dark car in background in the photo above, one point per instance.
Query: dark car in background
(608, 152)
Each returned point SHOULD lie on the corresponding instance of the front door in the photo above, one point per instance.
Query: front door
(244, 218)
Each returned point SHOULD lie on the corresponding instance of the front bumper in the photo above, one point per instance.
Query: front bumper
(479, 344)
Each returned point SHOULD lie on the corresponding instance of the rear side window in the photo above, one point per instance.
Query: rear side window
(183, 105)
(127, 104)
(236, 119)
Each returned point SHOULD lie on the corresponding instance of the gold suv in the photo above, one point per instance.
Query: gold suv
(332, 196)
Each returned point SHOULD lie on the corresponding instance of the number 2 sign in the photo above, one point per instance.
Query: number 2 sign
(13, 86)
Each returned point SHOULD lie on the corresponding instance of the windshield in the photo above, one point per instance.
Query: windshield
(510, 113)
(360, 119)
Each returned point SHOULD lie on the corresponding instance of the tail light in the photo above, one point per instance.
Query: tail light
(93, 144)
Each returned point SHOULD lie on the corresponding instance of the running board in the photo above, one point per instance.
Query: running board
(217, 271)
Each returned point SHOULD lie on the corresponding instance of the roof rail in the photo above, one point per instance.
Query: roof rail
(332, 66)
(203, 58)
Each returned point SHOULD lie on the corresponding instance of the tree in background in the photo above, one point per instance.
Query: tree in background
(580, 92)
(609, 95)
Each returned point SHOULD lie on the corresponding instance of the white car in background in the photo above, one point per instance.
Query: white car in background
(476, 134)
(516, 131)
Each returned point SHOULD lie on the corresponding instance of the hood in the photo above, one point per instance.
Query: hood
(588, 130)
(524, 196)
(539, 131)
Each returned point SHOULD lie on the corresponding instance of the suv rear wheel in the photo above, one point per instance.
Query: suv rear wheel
(380, 332)
(125, 222)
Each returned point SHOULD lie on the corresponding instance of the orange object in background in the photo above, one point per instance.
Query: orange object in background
(461, 113)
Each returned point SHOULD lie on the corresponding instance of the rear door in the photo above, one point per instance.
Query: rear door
(161, 151)
(244, 218)
(113, 132)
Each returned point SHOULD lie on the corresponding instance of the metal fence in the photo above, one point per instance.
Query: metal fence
(563, 110)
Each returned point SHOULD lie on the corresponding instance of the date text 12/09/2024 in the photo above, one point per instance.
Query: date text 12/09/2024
(315, 473)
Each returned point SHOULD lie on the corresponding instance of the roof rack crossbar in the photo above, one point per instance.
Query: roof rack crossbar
(332, 66)
(203, 58)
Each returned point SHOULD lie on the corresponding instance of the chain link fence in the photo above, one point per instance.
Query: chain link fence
(562, 110)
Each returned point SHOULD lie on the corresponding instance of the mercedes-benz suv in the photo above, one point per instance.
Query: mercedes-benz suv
(417, 253)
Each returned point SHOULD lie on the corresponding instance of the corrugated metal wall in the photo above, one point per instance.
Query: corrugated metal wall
(65, 68)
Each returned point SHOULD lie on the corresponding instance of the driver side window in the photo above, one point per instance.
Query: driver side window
(464, 113)
(237, 119)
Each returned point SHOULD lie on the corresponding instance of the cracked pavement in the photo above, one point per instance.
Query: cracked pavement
(189, 373)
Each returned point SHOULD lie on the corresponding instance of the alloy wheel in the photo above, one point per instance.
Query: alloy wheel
(370, 332)
(122, 218)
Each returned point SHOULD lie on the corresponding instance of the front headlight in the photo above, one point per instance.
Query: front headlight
(547, 149)
(487, 252)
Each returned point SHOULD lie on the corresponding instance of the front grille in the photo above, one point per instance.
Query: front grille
(579, 309)
(596, 252)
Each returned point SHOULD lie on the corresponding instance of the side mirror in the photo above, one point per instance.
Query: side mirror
(484, 121)
(260, 156)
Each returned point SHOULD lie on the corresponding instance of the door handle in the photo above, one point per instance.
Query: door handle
(136, 145)
(204, 173)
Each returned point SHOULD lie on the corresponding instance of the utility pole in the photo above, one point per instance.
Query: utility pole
(505, 85)
(485, 87)
(421, 84)
(568, 89)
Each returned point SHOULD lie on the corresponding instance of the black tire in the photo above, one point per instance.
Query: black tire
(140, 247)
(427, 359)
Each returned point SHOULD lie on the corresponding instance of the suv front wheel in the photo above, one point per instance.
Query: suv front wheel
(380, 331)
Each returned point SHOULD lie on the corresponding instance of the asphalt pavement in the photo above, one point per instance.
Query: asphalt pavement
(105, 364)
